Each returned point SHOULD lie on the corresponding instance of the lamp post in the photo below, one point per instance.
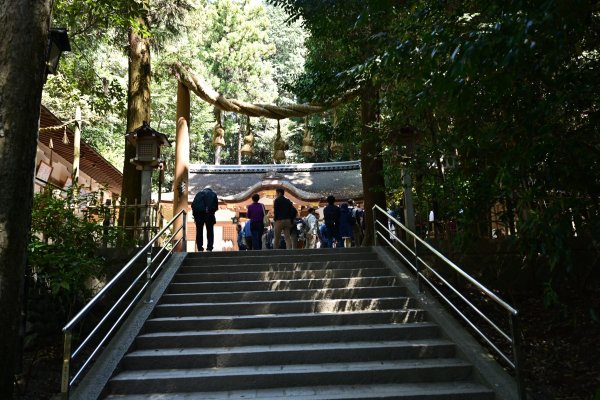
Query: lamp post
(58, 42)
(147, 142)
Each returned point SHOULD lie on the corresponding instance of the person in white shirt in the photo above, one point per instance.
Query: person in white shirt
(313, 229)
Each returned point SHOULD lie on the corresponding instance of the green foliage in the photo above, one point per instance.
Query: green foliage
(511, 91)
(483, 103)
(244, 48)
(63, 243)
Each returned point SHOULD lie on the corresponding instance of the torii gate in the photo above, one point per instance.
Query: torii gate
(190, 81)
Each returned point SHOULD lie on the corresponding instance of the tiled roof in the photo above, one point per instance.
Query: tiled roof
(310, 181)
(91, 162)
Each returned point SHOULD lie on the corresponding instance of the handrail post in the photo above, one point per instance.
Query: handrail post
(66, 368)
(184, 235)
(516, 345)
(374, 226)
(148, 275)
(418, 264)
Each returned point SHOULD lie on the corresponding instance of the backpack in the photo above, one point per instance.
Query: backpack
(205, 201)
(301, 226)
(292, 210)
(357, 215)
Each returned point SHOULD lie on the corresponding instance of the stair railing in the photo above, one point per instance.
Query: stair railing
(128, 287)
(414, 250)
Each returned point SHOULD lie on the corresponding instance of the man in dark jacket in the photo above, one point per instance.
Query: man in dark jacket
(331, 215)
(204, 206)
(284, 214)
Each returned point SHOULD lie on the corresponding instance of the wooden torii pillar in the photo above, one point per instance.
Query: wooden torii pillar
(182, 158)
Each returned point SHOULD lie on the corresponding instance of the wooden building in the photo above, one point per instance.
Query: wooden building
(54, 160)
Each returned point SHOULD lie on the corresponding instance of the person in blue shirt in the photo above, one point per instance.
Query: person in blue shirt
(326, 239)
(240, 237)
(247, 234)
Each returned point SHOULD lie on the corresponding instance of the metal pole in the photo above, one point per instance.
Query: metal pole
(148, 275)
(64, 385)
(375, 226)
(184, 238)
(146, 196)
(516, 345)
(417, 264)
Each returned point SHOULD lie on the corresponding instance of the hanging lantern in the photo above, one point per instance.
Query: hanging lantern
(65, 138)
(279, 146)
(218, 136)
(308, 148)
(248, 147)
(218, 139)
(335, 146)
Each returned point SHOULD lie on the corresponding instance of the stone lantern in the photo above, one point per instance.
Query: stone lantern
(147, 142)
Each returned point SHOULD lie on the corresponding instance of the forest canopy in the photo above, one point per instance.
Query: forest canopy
(486, 106)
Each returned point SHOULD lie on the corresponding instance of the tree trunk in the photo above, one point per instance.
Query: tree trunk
(23, 45)
(218, 155)
(371, 161)
(138, 111)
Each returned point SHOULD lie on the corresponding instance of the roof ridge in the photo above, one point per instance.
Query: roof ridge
(274, 168)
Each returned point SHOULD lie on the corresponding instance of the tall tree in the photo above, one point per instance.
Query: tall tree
(23, 46)
(510, 93)
(237, 51)
(345, 36)
(149, 20)
(138, 104)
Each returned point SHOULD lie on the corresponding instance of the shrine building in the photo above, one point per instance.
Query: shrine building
(306, 185)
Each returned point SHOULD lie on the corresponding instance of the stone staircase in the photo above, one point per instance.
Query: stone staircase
(305, 324)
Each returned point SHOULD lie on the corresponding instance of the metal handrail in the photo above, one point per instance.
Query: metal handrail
(149, 272)
(418, 264)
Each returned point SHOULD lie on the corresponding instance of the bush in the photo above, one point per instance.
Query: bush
(61, 253)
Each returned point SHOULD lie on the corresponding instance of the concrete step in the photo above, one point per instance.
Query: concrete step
(280, 295)
(307, 324)
(274, 253)
(286, 335)
(266, 257)
(283, 307)
(273, 376)
(202, 322)
(304, 353)
(281, 284)
(281, 275)
(399, 391)
(250, 266)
